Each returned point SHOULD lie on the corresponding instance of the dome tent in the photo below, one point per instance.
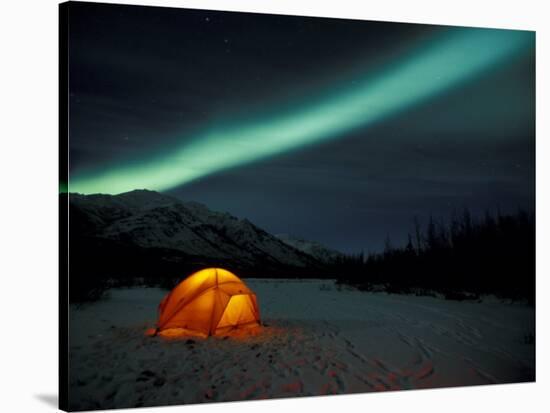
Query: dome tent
(209, 302)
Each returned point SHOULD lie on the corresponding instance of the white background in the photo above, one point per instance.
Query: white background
(28, 202)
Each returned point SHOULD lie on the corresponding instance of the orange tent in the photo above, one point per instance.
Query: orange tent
(212, 301)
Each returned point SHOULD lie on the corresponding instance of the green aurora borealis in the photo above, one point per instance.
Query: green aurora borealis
(430, 69)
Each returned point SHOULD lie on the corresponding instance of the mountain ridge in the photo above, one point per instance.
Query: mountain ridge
(154, 221)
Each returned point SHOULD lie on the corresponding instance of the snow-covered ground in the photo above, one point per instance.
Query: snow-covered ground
(318, 340)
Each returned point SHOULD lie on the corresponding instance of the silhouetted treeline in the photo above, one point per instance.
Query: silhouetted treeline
(462, 259)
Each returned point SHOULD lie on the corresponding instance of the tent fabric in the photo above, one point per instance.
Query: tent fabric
(212, 301)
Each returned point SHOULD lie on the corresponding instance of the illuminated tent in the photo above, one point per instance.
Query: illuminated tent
(212, 301)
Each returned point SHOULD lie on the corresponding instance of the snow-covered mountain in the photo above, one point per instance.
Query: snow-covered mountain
(148, 219)
(316, 250)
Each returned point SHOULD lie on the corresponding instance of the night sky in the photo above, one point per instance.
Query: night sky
(333, 130)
